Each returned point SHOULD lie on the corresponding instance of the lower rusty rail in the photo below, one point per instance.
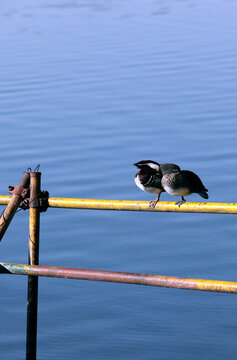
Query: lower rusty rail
(120, 277)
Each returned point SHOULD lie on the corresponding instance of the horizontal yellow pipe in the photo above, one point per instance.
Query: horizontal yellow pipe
(163, 206)
(202, 207)
(5, 199)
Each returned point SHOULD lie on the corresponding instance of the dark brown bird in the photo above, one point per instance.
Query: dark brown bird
(181, 183)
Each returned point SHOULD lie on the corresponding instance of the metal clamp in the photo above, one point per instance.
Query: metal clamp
(41, 201)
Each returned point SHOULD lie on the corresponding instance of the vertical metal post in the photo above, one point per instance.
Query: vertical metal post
(32, 301)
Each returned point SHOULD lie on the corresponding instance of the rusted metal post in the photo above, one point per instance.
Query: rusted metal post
(18, 192)
(32, 301)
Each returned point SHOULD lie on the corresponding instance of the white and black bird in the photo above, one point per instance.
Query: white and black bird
(157, 178)
(149, 177)
(179, 182)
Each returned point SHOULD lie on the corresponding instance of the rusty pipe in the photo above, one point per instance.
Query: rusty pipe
(32, 294)
(18, 192)
(120, 277)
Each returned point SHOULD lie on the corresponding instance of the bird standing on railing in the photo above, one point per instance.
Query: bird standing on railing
(181, 183)
(157, 178)
(149, 177)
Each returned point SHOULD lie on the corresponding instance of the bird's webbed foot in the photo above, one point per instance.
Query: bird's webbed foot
(179, 203)
(152, 204)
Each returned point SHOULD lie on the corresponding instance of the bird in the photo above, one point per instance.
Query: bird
(179, 182)
(149, 177)
(156, 178)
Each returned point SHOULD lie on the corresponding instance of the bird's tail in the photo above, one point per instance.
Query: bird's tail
(204, 194)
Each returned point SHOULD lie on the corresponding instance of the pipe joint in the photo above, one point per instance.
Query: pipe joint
(41, 202)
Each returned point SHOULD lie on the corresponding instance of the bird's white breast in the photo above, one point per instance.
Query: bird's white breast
(147, 188)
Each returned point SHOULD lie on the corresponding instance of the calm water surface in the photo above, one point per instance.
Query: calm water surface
(87, 89)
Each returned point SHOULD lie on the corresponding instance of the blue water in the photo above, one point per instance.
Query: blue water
(87, 89)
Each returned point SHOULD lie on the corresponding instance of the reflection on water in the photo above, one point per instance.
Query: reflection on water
(87, 89)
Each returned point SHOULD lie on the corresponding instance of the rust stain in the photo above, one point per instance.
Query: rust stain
(122, 277)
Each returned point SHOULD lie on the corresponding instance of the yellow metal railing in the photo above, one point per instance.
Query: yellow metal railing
(128, 205)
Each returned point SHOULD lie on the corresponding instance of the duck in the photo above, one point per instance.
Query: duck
(179, 182)
(149, 177)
